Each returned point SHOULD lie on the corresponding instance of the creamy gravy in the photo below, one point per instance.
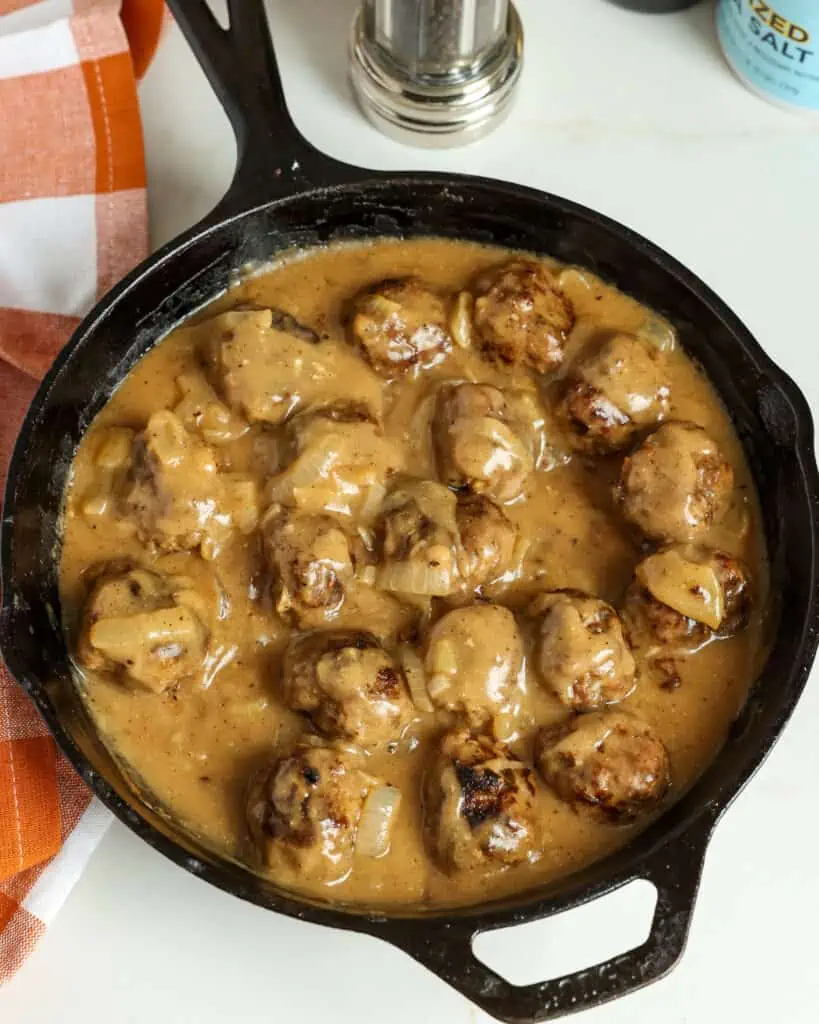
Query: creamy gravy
(195, 746)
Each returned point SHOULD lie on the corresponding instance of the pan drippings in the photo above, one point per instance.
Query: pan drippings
(415, 572)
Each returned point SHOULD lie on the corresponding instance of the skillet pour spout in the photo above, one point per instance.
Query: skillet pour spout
(286, 194)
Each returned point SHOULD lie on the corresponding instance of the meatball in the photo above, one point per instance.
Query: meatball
(611, 392)
(311, 564)
(474, 657)
(400, 324)
(686, 594)
(348, 686)
(339, 463)
(521, 317)
(582, 654)
(608, 759)
(417, 537)
(488, 538)
(176, 495)
(479, 805)
(303, 812)
(144, 628)
(268, 368)
(676, 485)
(476, 446)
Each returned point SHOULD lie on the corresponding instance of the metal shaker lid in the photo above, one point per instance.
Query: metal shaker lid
(436, 73)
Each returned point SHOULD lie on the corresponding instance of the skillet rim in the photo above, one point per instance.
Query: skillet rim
(478, 917)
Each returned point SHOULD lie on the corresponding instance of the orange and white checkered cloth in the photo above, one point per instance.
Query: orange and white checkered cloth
(72, 221)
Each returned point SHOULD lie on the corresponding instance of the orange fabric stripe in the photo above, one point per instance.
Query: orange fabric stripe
(7, 910)
(75, 796)
(18, 717)
(143, 21)
(29, 804)
(120, 158)
(30, 341)
(17, 940)
(48, 140)
(20, 885)
(7, 6)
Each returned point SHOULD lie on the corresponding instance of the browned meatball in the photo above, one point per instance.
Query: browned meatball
(309, 556)
(338, 460)
(476, 445)
(487, 540)
(417, 538)
(268, 367)
(348, 685)
(608, 759)
(686, 594)
(176, 495)
(521, 317)
(582, 654)
(613, 390)
(144, 628)
(479, 805)
(473, 661)
(303, 812)
(676, 485)
(400, 324)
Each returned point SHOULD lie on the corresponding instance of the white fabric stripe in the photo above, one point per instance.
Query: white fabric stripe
(42, 50)
(52, 887)
(48, 254)
(35, 16)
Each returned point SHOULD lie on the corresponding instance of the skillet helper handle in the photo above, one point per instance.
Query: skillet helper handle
(675, 874)
(274, 158)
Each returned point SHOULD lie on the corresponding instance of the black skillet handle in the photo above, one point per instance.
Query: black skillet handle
(275, 160)
(675, 874)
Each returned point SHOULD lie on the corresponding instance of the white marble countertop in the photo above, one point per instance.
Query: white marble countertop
(638, 117)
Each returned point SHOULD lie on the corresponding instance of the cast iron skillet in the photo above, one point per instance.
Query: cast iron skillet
(285, 193)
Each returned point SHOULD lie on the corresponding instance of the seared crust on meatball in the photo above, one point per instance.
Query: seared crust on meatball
(487, 540)
(685, 594)
(348, 686)
(476, 445)
(676, 485)
(144, 628)
(478, 804)
(582, 655)
(399, 324)
(521, 317)
(310, 561)
(609, 760)
(303, 811)
(614, 389)
(473, 660)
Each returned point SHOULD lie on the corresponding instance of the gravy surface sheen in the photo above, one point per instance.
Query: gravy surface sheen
(195, 745)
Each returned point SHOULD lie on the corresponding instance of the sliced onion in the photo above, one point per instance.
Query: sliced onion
(373, 501)
(307, 468)
(573, 278)
(690, 588)
(439, 685)
(416, 678)
(115, 450)
(461, 321)
(658, 333)
(377, 821)
(502, 764)
(417, 578)
(243, 494)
